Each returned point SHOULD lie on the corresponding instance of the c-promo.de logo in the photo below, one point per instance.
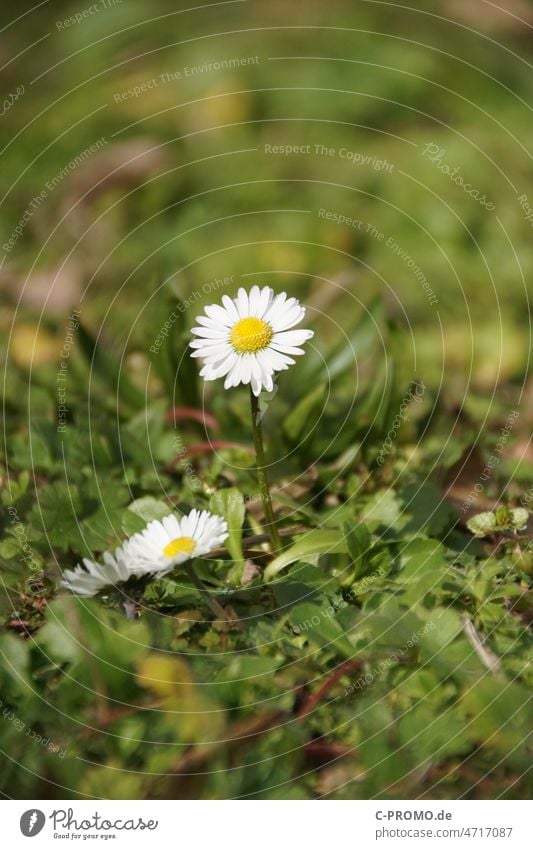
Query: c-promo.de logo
(32, 822)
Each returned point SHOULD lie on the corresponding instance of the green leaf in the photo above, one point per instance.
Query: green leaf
(431, 736)
(10, 547)
(16, 489)
(421, 557)
(248, 666)
(99, 528)
(426, 508)
(384, 507)
(319, 626)
(375, 405)
(502, 715)
(57, 514)
(311, 544)
(149, 508)
(358, 541)
(229, 503)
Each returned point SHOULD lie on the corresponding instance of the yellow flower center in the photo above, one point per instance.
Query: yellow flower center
(180, 545)
(250, 334)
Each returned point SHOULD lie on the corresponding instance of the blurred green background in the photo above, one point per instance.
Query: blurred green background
(183, 184)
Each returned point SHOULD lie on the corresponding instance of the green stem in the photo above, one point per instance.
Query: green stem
(262, 474)
(217, 609)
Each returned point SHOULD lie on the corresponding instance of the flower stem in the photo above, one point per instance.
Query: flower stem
(262, 477)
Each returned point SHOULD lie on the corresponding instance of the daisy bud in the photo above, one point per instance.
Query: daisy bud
(482, 524)
(519, 518)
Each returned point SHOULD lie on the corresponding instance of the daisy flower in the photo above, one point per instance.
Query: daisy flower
(249, 338)
(167, 543)
(89, 579)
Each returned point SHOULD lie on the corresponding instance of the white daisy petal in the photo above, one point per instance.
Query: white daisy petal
(209, 333)
(246, 369)
(240, 369)
(287, 319)
(193, 518)
(254, 298)
(255, 365)
(89, 579)
(274, 308)
(207, 322)
(171, 525)
(242, 303)
(219, 314)
(268, 382)
(292, 337)
(226, 365)
(214, 354)
(236, 372)
(287, 349)
(264, 301)
(203, 520)
(231, 309)
(202, 343)
(209, 373)
(280, 307)
(277, 361)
